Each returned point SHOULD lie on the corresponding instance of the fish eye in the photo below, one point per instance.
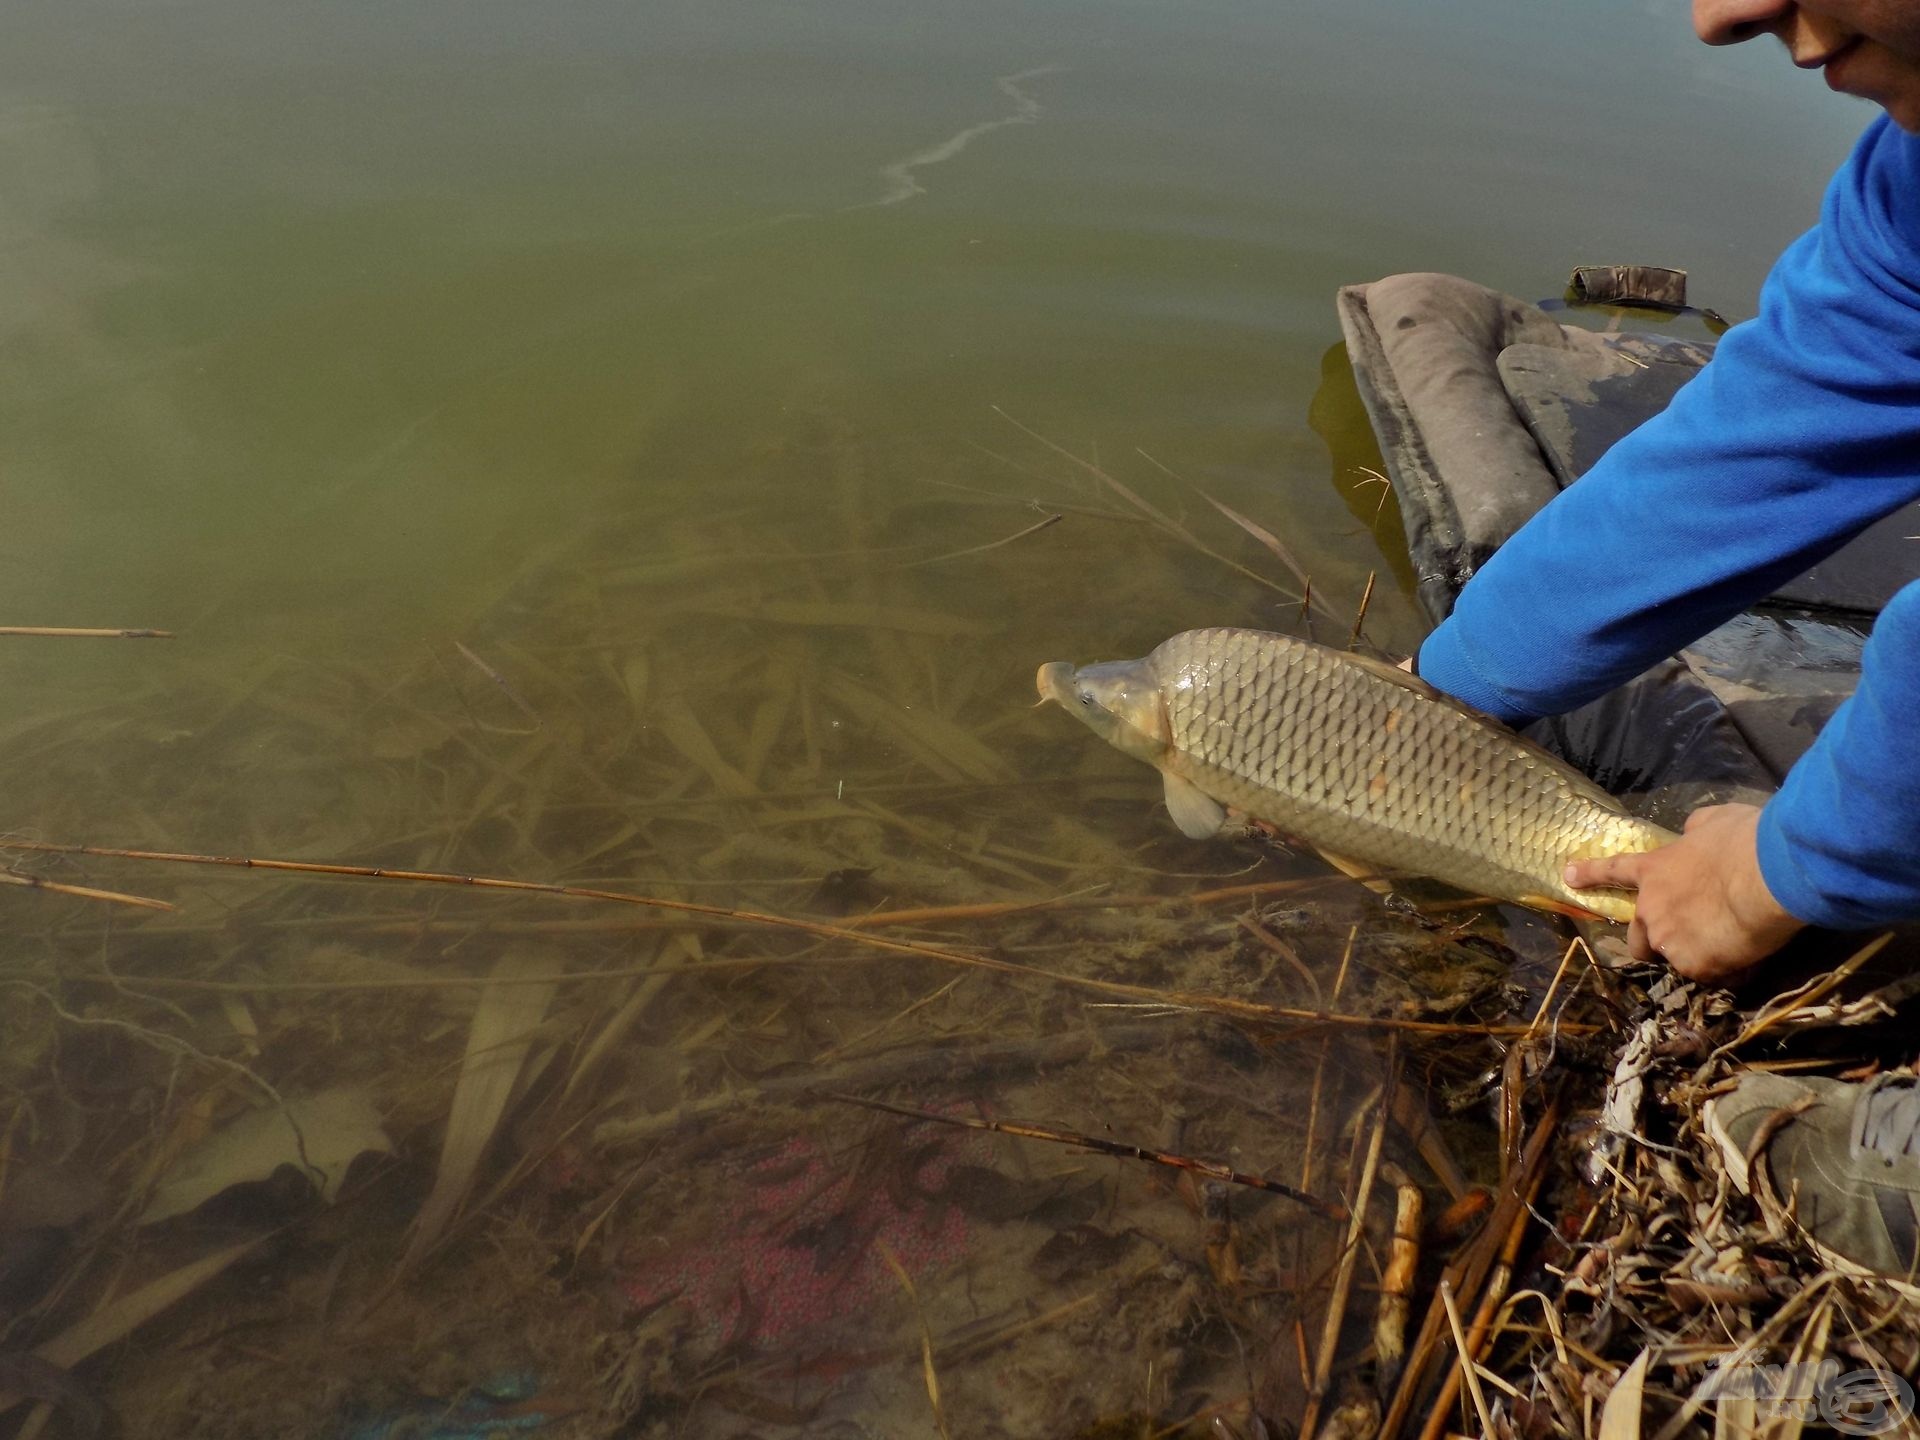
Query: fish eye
(1086, 697)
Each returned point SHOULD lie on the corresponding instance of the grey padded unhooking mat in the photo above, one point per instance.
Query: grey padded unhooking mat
(1577, 400)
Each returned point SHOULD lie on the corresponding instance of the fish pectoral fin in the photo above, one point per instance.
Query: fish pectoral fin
(1198, 815)
(1367, 875)
(1561, 907)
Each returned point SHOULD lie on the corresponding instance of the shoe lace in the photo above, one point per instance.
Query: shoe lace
(1886, 1118)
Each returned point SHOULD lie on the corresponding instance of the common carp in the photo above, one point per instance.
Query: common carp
(1372, 767)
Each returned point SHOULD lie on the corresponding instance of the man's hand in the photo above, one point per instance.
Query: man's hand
(1703, 905)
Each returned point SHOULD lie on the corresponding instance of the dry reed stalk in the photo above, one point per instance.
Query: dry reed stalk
(1809, 1349)
(1272, 542)
(1371, 476)
(1779, 1009)
(1343, 1277)
(851, 615)
(675, 784)
(997, 909)
(1257, 888)
(1320, 1066)
(1553, 986)
(1162, 519)
(838, 1051)
(1409, 1111)
(1494, 1296)
(948, 1064)
(1360, 617)
(1308, 1146)
(1466, 1369)
(1287, 953)
(1253, 1011)
(82, 892)
(1220, 1005)
(1119, 1149)
(1259, 532)
(1119, 517)
(1035, 528)
(1513, 1114)
(1396, 1282)
(63, 632)
(505, 687)
(1468, 1271)
(1410, 1114)
(927, 1370)
(959, 1351)
(1563, 1349)
(721, 966)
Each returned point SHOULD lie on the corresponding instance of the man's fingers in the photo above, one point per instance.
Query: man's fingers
(1638, 945)
(1607, 870)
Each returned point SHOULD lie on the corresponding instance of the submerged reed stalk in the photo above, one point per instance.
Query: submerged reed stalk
(64, 632)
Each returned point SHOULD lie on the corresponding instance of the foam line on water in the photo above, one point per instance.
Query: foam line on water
(903, 184)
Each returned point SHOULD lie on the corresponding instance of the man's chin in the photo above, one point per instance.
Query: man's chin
(1898, 95)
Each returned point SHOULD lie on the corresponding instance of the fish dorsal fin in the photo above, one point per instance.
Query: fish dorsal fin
(1198, 815)
(1405, 680)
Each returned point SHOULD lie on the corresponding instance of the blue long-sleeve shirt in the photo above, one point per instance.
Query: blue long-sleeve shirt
(1803, 430)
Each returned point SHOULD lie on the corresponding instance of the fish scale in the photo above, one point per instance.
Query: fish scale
(1359, 761)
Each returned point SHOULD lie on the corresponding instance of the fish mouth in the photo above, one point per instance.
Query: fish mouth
(1054, 681)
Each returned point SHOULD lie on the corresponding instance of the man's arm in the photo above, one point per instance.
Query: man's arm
(1803, 429)
(1838, 846)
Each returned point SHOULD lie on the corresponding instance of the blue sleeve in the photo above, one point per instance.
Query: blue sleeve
(1803, 430)
(1840, 843)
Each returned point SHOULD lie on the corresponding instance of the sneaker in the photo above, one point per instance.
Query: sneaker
(1849, 1163)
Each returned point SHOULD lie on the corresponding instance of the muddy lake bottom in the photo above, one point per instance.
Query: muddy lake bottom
(334, 1154)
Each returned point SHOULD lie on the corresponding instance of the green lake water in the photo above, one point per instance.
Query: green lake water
(574, 444)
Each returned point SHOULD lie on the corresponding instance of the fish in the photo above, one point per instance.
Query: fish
(1366, 763)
